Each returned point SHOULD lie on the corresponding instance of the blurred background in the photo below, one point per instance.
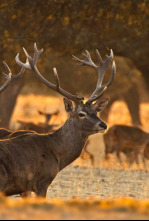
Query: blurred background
(66, 27)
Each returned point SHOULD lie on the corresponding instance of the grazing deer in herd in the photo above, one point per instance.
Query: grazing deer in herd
(146, 151)
(31, 162)
(128, 140)
(41, 127)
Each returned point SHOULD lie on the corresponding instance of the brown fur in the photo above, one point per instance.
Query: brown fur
(127, 140)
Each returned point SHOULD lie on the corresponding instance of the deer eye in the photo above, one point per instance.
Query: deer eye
(82, 114)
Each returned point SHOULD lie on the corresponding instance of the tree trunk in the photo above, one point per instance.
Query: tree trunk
(8, 100)
(132, 99)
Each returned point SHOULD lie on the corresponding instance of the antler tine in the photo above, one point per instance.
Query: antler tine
(8, 76)
(29, 58)
(6, 83)
(25, 66)
(31, 65)
(113, 73)
(103, 88)
(99, 57)
(100, 69)
(7, 67)
(13, 77)
(36, 53)
(96, 97)
(57, 78)
(88, 61)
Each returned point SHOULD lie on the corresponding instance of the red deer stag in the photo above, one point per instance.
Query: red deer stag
(31, 162)
(127, 140)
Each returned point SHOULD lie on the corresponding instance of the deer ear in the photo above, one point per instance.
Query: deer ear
(100, 105)
(68, 105)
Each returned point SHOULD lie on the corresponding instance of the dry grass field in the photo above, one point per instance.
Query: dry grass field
(106, 182)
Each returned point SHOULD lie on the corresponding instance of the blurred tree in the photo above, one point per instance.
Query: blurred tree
(69, 26)
(8, 101)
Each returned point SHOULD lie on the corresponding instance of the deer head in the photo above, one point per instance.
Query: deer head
(84, 114)
(48, 116)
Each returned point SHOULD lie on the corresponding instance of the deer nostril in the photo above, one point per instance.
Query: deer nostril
(103, 125)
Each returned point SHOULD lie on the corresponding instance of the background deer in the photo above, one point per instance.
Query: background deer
(48, 116)
(45, 127)
(36, 159)
(130, 141)
(87, 153)
(146, 151)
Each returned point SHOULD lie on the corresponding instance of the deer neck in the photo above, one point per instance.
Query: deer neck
(69, 143)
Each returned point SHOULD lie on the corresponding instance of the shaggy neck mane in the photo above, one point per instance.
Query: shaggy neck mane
(68, 143)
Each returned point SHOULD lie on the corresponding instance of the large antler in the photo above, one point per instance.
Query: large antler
(101, 71)
(31, 65)
(10, 77)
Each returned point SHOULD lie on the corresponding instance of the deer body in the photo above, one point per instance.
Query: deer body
(27, 164)
(126, 139)
(39, 158)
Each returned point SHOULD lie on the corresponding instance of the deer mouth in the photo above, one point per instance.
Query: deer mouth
(96, 131)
